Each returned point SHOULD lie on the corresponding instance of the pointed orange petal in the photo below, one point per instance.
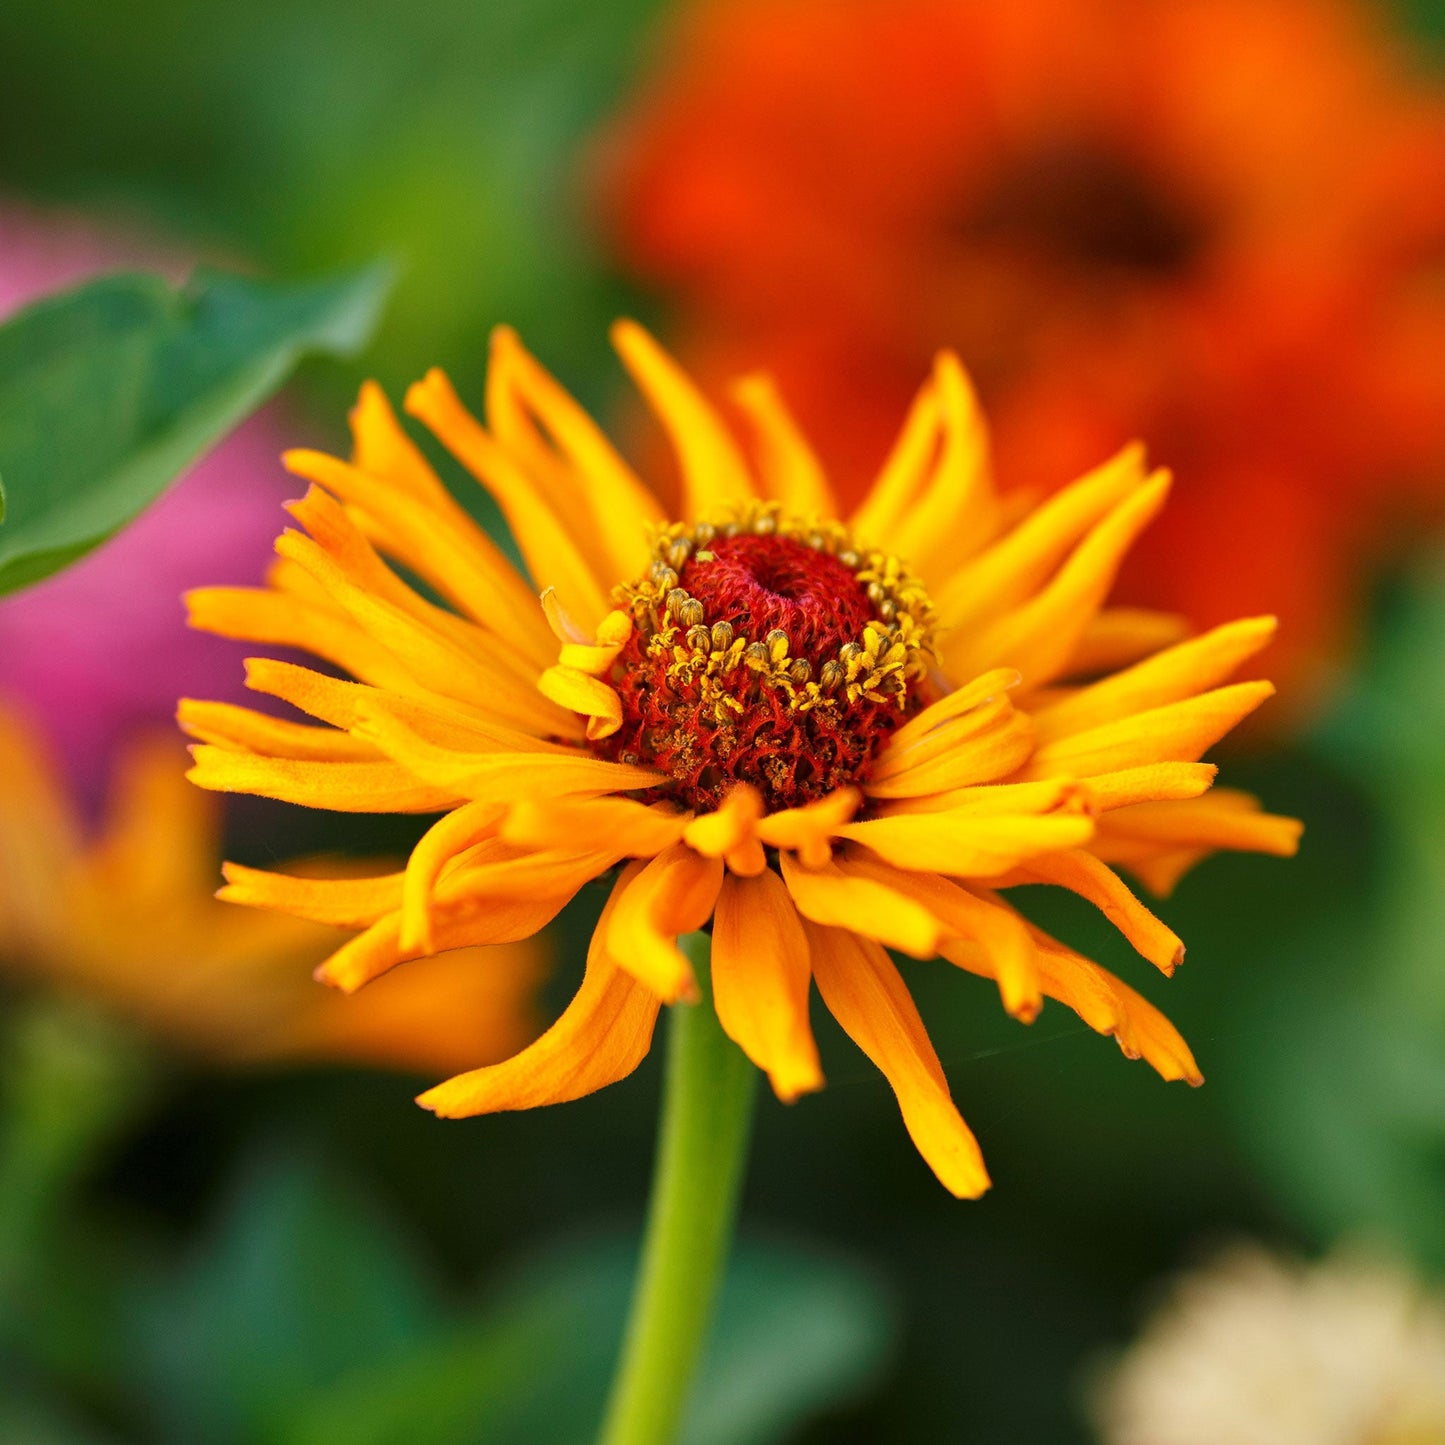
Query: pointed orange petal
(865, 993)
(1178, 732)
(1085, 875)
(714, 473)
(601, 1037)
(1009, 954)
(342, 902)
(553, 554)
(1019, 563)
(1040, 635)
(956, 513)
(829, 896)
(964, 845)
(240, 729)
(790, 469)
(671, 895)
(341, 787)
(1109, 1006)
(637, 830)
(591, 477)
(760, 979)
(1177, 673)
(808, 831)
(1119, 636)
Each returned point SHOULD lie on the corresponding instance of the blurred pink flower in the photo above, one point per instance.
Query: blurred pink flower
(102, 649)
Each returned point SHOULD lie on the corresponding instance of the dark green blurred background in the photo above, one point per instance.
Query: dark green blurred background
(310, 1257)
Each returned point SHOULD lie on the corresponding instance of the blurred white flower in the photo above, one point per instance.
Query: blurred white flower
(1256, 1350)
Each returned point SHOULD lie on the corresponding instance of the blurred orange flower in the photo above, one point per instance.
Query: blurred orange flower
(1217, 223)
(129, 919)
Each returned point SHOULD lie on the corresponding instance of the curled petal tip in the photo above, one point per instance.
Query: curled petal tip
(791, 1088)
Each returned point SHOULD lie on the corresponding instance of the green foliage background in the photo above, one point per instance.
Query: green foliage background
(306, 1258)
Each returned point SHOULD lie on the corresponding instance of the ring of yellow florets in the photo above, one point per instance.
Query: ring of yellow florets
(767, 650)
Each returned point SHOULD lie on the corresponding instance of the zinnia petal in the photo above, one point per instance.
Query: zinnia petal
(760, 979)
(601, 1037)
(865, 993)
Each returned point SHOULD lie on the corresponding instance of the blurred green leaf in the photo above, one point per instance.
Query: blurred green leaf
(27, 1419)
(70, 1079)
(109, 392)
(1340, 1084)
(302, 1284)
(794, 1334)
(453, 136)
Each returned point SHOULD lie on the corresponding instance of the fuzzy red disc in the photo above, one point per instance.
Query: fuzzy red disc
(792, 756)
(761, 583)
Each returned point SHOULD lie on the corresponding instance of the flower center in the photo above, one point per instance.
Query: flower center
(767, 651)
(1088, 207)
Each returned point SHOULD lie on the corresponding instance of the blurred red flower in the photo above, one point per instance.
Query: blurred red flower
(1216, 223)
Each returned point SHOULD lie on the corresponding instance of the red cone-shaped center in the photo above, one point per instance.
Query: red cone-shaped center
(758, 584)
(712, 696)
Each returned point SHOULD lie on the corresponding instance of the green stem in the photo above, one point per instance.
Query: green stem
(707, 1112)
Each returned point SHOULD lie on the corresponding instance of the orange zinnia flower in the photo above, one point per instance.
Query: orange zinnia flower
(1219, 224)
(825, 737)
(128, 919)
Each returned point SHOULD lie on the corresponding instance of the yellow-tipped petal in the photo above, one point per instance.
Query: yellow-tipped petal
(251, 614)
(789, 468)
(1040, 636)
(966, 845)
(438, 660)
(1085, 875)
(1178, 732)
(836, 899)
(1119, 636)
(498, 777)
(341, 902)
(1154, 781)
(903, 473)
(593, 480)
(1007, 947)
(1019, 563)
(865, 993)
(1160, 842)
(552, 553)
(601, 1037)
(241, 729)
(343, 787)
(959, 756)
(982, 692)
(635, 829)
(1179, 672)
(760, 977)
(441, 721)
(441, 544)
(957, 511)
(382, 447)
(808, 831)
(671, 895)
(714, 473)
(448, 837)
(992, 800)
(731, 832)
